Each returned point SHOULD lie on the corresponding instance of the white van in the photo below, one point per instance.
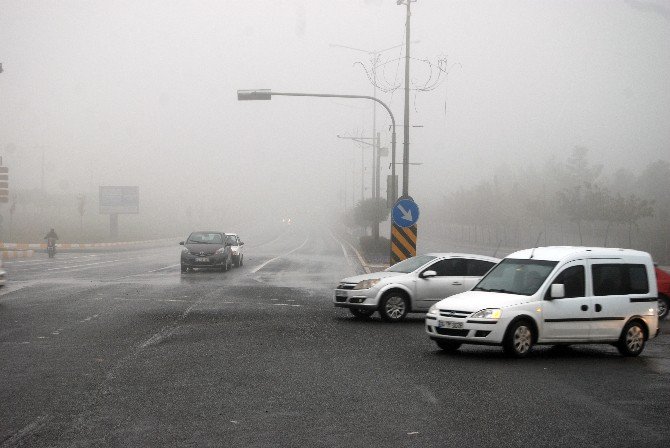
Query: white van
(554, 295)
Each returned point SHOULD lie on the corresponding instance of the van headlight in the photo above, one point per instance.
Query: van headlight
(488, 313)
(433, 310)
(367, 284)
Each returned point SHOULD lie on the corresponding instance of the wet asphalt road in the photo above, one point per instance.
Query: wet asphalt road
(121, 349)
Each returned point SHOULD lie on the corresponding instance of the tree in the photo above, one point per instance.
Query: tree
(370, 213)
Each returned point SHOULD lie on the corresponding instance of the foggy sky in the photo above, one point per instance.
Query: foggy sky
(144, 93)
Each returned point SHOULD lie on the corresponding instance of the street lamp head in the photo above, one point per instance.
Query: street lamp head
(257, 94)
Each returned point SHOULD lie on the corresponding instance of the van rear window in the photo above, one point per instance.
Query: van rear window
(619, 279)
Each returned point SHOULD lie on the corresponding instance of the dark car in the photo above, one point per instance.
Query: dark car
(663, 282)
(206, 250)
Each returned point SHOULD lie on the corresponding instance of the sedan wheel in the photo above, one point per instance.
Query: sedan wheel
(519, 339)
(393, 307)
(663, 304)
(631, 342)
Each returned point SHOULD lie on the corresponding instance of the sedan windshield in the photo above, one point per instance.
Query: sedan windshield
(411, 264)
(205, 238)
(513, 276)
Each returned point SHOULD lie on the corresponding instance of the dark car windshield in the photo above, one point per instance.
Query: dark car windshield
(205, 238)
(411, 264)
(514, 276)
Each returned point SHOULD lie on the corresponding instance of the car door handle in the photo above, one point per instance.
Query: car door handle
(585, 307)
(457, 283)
(598, 308)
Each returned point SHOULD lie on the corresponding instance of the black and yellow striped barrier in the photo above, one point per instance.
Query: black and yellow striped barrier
(403, 242)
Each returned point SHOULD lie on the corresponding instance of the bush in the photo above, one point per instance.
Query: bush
(375, 250)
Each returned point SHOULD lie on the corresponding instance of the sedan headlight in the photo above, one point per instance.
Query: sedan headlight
(367, 284)
(488, 313)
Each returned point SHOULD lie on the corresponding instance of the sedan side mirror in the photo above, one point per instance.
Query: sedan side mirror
(181, 243)
(428, 274)
(557, 291)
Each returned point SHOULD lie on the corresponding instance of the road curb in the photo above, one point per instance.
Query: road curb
(12, 254)
(14, 247)
(365, 264)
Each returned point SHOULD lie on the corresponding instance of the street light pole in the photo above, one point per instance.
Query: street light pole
(266, 94)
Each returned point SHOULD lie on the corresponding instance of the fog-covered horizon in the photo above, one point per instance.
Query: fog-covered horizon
(144, 93)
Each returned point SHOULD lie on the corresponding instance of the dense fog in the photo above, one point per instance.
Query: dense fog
(144, 93)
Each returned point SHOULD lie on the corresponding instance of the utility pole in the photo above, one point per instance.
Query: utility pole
(405, 152)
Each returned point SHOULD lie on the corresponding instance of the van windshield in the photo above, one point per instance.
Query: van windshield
(512, 276)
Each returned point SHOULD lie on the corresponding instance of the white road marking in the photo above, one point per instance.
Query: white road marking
(278, 257)
(147, 272)
(20, 437)
(344, 251)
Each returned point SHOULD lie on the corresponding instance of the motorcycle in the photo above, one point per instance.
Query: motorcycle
(51, 247)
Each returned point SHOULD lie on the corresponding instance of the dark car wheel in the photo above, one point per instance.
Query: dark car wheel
(663, 304)
(241, 260)
(448, 346)
(361, 313)
(631, 342)
(393, 307)
(519, 339)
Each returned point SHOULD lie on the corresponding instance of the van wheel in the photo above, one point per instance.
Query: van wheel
(519, 339)
(663, 304)
(360, 313)
(631, 342)
(448, 346)
(393, 307)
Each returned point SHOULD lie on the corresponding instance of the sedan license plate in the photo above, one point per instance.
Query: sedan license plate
(202, 259)
(448, 324)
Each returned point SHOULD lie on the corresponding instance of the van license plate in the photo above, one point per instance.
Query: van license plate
(202, 259)
(447, 324)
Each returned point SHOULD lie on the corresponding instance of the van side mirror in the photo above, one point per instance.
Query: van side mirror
(557, 291)
(428, 274)
(181, 243)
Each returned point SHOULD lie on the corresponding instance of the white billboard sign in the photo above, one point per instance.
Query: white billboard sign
(117, 200)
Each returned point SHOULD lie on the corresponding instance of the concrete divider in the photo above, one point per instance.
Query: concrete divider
(31, 247)
(12, 254)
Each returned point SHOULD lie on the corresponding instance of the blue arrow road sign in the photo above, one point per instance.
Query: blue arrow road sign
(405, 213)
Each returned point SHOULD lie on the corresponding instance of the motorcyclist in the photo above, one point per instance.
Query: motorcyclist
(51, 237)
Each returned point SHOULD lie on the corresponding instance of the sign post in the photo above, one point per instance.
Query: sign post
(405, 214)
(118, 200)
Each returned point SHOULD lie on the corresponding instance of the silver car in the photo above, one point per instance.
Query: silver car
(413, 285)
(236, 248)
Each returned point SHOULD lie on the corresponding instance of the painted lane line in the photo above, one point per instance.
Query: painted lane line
(24, 435)
(167, 331)
(83, 266)
(278, 257)
(344, 251)
(146, 272)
